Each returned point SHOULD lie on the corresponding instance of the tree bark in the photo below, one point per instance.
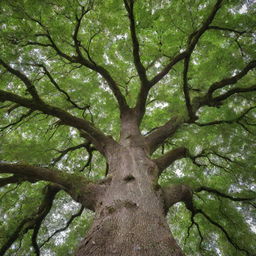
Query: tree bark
(130, 215)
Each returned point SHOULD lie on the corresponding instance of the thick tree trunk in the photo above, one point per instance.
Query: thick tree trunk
(130, 215)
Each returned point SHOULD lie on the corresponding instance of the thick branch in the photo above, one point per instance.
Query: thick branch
(140, 107)
(78, 187)
(141, 70)
(129, 5)
(145, 88)
(177, 193)
(96, 136)
(36, 173)
(159, 135)
(193, 40)
(9, 180)
(167, 159)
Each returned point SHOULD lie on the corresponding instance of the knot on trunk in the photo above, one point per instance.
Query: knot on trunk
(129, 178)
(121, 204)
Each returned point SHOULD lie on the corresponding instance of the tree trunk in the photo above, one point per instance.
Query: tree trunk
(130, 215)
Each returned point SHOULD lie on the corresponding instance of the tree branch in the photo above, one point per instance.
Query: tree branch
(89, 160)
(194, 37)
(93, 66)
(167, 68)
(227, 29)
(191, 114)
(235, 120)
(76, 32)
(114, 87)
(81, 59)
(168, 158)
(231, 80)
(230, 240)
(218, 193)
(140, 107)
(65, 151)
(43, 211)
(233, 91)
(193, 40)
(30, 87)
(53, 81)
(159, 135)
(193, 222)
(177, 193)
(208, 98)
(129, 5)
(14, 179)
(34, 220)
(96, 136)
(183, 193)
(9, 191)
(65, 227)
(80, 189)
(141, 70)
(145, 88)
(22, 117)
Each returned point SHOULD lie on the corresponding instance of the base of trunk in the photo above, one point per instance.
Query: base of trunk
(129, 232)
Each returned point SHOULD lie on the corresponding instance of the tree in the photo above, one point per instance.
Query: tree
(134, 110)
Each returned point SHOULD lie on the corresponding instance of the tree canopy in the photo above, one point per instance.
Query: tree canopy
(70, 68)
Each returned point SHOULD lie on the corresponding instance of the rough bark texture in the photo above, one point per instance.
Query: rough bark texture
(130, 215)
